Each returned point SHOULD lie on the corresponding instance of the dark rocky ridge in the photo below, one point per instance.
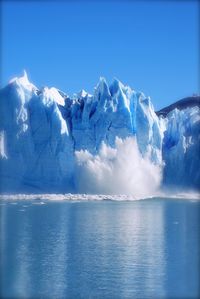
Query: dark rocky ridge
(182, 104)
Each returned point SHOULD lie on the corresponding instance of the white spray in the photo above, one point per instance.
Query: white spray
(119, 170)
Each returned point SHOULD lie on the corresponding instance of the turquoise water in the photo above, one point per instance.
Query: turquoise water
(100, 249)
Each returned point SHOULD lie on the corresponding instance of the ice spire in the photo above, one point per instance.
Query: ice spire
(24, 81)
(102, 89)
(115, 86)
(24, 78)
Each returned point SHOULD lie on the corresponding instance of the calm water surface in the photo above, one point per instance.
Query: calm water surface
(140, 249)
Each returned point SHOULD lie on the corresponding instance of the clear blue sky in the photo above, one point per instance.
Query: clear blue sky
(152, 46)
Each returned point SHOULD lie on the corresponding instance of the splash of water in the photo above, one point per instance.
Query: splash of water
(119, 170)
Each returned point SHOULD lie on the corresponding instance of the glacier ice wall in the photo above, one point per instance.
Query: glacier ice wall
(181, 149)
(36, 146)
(50, 142)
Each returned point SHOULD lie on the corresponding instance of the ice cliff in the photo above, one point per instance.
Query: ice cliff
(50, 142)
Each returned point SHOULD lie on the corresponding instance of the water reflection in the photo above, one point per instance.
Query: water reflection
(182, 243)
(142, 249)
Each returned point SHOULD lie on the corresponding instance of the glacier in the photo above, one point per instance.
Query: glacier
(110, 142)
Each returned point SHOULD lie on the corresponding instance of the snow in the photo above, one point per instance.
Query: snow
(111, 141)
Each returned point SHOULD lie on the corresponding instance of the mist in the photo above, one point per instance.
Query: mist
(119, 170)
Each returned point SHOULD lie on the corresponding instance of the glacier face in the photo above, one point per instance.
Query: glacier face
(36, 145)
(181, 148)
(43, 133)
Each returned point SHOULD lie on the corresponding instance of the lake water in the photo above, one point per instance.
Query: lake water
(100, 249)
